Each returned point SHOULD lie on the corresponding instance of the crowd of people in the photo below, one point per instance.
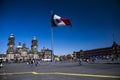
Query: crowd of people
(32, 62)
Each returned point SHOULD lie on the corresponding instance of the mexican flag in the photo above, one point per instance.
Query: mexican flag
(59, 21)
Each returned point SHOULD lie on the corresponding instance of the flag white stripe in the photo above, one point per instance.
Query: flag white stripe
(56, 17)
(61, 23)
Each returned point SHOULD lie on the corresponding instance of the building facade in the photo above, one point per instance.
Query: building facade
(46, 54)
(22, 53)
(107, 52)
(2, 57)
(11, 50)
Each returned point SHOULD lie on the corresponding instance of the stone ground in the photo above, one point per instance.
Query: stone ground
(60, 71)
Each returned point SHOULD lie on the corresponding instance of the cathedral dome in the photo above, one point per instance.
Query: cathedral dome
(11, 35)
(19, 45)
(34, 38)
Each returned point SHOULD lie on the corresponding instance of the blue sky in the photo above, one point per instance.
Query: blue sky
(93, 23)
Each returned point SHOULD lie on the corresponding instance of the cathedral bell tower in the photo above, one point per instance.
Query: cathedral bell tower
(11, 44)
(34, 48)
(34, 45)
(10, 50)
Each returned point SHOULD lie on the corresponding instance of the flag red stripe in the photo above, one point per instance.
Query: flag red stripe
(66, 21)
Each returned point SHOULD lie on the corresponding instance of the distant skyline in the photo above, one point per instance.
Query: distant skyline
(93, 24)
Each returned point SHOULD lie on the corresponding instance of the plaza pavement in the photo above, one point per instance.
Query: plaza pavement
(60, 71)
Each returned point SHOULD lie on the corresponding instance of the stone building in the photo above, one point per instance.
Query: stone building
(22, 53)
(2, 57)
(46, 54)
(107, 52)
(11, 49)
(34, 48)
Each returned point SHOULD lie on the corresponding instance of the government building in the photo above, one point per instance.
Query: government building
(112, 52)
(22, 53)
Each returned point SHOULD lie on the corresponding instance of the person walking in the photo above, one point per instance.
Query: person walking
(80, 62)
(31, 63)
(36, 62)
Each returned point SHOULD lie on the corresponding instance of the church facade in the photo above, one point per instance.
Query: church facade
(22, 53)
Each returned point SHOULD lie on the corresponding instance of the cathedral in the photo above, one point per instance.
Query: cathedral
(22, 53)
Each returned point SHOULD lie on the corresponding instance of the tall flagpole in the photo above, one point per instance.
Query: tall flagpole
(52, 42)
(52, 45)
(67, 22)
